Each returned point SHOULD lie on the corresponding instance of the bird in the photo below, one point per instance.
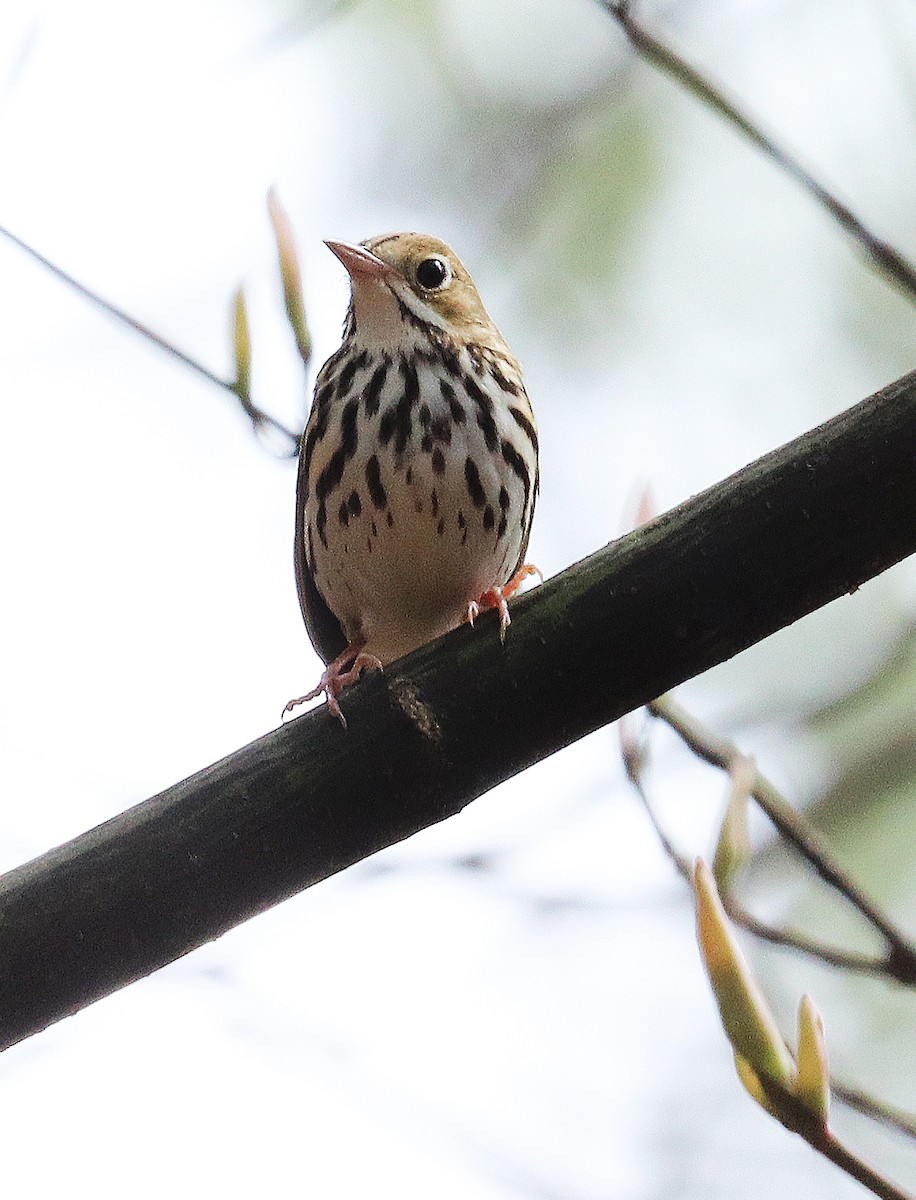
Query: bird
(418, 467)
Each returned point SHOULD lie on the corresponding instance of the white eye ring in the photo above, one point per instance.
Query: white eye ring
(433, 273)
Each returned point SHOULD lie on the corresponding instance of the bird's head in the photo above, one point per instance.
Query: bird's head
(401, 279)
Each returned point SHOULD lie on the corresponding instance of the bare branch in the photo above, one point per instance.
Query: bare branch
(719, 752)
(889, 262)
(820, 1138)
(870, 1177)
(895, 1118)
(259, 419)
(900, 961)
(867, 964)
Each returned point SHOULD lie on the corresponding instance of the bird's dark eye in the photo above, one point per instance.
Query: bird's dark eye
(433, 273)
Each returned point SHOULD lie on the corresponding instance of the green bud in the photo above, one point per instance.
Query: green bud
(733, 847)
(290, 274)
(749, 1024)
(241, 344)
(813, 1085)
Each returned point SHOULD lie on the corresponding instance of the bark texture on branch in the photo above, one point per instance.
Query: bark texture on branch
(792, 531)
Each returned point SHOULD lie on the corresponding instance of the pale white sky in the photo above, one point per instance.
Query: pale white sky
(542, 1029)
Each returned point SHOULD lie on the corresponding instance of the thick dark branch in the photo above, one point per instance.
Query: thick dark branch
(789, 533)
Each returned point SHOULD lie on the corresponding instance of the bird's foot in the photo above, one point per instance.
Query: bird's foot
(498, 598)
(344, 670)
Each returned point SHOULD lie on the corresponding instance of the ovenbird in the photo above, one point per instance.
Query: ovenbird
(418, 470)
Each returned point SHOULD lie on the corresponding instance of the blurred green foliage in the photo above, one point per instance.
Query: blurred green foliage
(530, 144)
(595, 177)
(868, 808)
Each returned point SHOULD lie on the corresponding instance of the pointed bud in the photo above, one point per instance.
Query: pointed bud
(733, 848)
(241, 340)
(746, 1016)
(290, 274)
(813, 1085)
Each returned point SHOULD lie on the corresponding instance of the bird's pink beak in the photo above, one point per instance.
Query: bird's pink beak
(358, 260)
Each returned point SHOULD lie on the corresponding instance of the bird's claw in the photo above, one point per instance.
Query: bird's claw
(498, 598)
(334, 679)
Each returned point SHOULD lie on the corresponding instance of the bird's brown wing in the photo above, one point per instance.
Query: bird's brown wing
(526, 533)
(322, 626)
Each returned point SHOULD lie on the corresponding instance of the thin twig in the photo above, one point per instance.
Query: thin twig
(634, 754)
(634, 761)
(841, 1156)
(887, 1114)
(846, 960)
(882, 255)
(900, 962)
(259, 419)
(820, 1137)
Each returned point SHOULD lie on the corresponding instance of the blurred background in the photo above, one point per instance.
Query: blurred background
(511, 1004)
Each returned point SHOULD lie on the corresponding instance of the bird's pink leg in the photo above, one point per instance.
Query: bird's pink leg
(335, 678)
(498, 598)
